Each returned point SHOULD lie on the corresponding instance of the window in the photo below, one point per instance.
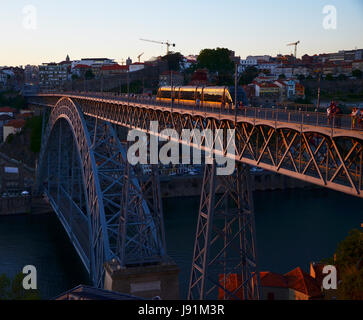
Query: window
(186, 95)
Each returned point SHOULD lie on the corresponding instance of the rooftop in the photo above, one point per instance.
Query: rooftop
(17, 123)
(82, 292)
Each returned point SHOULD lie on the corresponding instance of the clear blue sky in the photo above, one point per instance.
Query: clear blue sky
(112, 28)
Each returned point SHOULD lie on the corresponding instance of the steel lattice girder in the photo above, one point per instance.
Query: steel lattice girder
(332, 162)
(82, 163)
(342, 152)
(225, 239)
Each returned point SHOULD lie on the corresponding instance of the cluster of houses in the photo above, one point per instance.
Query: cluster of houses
(293, 285)
(343, 62)
(272, 89)
(12, 121)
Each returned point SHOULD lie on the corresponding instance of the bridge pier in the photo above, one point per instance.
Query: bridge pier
(149, 281)
(224, 249)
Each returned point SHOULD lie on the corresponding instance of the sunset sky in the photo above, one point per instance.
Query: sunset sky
(112, 29)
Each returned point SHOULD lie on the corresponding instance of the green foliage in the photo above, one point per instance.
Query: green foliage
(4, 285)
(349, 261)
(350, 250)
(89, 75)
(173, 59)
(248, 75)
(342, 77)
(74, 77)
(10, 138)
(35, 126)
(351, 286)
(13, 290)
(217, 61)
(282, 76)
(13, 100)
(329, 77)
(357, 73)
(301, 77)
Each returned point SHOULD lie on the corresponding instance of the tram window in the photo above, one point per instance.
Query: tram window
(212, 97)
(165, 94)
(187, 95)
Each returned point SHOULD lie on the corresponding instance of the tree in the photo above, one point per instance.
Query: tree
(89, 75)
(357, 73)
(329, 77)
(342, 77)
(74, 77)
(174, 60)
(282, 76)
(218, 61)
(13, 290)
(248, 75)
(349, 261)
(301, 77)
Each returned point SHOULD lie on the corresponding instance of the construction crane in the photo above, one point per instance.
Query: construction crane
(167, 43)
(294, 44)
(139, 56)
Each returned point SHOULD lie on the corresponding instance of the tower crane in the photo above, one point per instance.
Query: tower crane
(294, 44)
(167, 43)
(139, 56)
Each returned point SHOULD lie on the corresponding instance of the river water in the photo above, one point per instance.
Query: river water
(293, 228)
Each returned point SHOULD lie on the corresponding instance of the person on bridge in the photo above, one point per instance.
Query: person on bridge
(360, 118)
(354, 115)
(329, 114)
(197, 102)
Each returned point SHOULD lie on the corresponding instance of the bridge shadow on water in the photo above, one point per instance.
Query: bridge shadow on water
(293, 228)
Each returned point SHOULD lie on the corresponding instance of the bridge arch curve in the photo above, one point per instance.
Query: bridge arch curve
(67, 111)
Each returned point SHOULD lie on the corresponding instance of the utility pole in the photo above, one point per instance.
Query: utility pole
(128, 88)
(235, 92)
(318, 101)
(171, 94)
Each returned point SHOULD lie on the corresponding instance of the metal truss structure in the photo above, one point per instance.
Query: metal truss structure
(83, 171)
(225, 239)
(325, 156)
(83, 161)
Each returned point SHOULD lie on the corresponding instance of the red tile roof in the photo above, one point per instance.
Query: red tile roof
(7, 109)
(114, 67)
(270, 279)
(302, 282)
(81, 66)
(17, 123)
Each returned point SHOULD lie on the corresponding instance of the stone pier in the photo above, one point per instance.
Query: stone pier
(148, 282)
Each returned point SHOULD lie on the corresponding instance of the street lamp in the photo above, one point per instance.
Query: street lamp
(128, 88)
(171, 90)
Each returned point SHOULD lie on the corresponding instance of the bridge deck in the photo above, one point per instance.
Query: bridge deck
(302, 121)
(334, 161)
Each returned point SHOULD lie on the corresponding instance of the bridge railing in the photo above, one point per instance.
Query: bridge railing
(314, 118)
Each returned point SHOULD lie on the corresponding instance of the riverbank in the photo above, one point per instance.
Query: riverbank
(190, 186)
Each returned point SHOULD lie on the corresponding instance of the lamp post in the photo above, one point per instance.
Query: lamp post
(235, 93)
(128, 88)
(171, 91)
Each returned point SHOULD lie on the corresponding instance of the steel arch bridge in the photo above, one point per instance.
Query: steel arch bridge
(302, 145)
(82, 170)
